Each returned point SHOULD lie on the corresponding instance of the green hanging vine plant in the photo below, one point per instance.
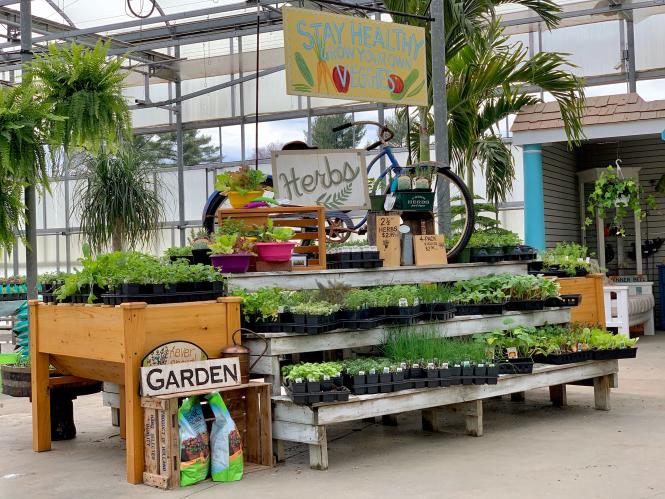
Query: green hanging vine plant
(613, 191)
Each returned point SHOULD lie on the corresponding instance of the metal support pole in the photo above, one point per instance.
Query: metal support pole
(30, 191)
(179, 155)
(630, 48)
(440, 111)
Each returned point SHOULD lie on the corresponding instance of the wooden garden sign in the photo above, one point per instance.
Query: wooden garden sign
(190, 376)
(388, 239)
(334, 179)
(352, 58)
(430, 249)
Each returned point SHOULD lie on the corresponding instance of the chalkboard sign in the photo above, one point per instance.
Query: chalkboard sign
(334, 179)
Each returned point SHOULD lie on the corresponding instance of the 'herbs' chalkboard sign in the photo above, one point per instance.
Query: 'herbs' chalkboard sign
(334, 179)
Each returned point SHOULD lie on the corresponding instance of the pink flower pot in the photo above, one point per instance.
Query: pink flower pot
(231, 264)
(275, 252)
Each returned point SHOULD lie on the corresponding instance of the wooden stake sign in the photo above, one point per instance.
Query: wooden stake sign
(388, 239)
(190, 376)
(430, 249)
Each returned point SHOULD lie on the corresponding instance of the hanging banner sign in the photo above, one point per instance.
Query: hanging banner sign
(190, 376)
(346, 57)
(333, 178)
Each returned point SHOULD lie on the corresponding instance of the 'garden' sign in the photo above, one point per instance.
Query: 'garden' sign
(190, 376)
(334, 179)
(346, 57)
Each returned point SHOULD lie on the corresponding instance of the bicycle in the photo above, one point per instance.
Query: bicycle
(462, 209)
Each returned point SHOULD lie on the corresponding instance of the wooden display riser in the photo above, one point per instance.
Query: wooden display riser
(297, 279)
(297, 423)
(291, 343)
(249, 406)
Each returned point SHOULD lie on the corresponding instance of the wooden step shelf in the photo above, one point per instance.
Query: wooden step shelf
(295, 217)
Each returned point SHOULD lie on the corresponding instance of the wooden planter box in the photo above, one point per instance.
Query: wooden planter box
(249, 406)
(592, 308)
(108, 343)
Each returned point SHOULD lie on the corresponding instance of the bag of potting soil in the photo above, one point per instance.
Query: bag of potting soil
(225, 443)
(194, 442)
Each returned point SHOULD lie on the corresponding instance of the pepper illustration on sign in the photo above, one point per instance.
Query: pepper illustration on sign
(305, 73)
(341, 78)
(395, 84)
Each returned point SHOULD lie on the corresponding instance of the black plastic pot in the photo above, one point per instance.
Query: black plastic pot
(372, 379)
(385, 377)
(520, 365)
(479, 309)
(299, 387)
(467, 375)
(201, 256)
(524, 305)
(313, 386)
(564, 358)
(615, 353)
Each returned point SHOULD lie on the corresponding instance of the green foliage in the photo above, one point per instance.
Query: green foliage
(12, 213)
(161, 149)
(502, 287)
(311, 371)
(82, 85)
(178, 251)
(324, 138)
(568, 257)
(110, 270)
(264, 303)
(613, 191)
(315, 308)
(242, 181)
(119, 202)
(275, 234)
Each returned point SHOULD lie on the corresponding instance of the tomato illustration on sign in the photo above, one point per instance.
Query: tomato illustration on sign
(341, 78)
(395, 84)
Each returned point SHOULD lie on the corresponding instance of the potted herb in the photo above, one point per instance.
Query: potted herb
(242, 186)
(230, 254)
(613, 191)
(176, 253)
(566, 259)
(422, 178)
(274, 244)
(199, 242)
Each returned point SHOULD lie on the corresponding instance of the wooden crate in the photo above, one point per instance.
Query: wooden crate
(592, 308)
(249, 406)
(289, 217)
(108, 343)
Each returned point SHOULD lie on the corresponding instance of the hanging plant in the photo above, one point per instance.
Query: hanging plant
(613, 191)
(81, 84)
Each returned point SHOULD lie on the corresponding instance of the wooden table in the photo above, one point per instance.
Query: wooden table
(107, 343)
(305, 424)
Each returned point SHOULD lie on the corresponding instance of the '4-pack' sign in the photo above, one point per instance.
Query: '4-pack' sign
(334, 179)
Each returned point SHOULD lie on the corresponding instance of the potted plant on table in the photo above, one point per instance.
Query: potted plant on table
(242, 186)
(274, 243)
(230, 254)
(613, 191)
(179, 253)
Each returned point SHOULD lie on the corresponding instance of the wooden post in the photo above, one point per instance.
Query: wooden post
(123, 414)
(601, 393)
(318, 453)
(133, 318)
(518, 397)
(558, 395)
(232, 317)
(41, 397)
(389, 420)
(473, 412)
(431, 419)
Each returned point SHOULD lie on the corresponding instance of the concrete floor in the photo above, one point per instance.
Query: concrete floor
(529, 449)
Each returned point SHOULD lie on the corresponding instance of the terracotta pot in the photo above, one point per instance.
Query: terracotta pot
(275, 252)
(238, 200)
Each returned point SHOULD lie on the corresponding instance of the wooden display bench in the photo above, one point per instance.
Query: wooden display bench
(107, 343)
(289, 217)
(292, 343)
(592, 308)
(249, 406)
(304, 424)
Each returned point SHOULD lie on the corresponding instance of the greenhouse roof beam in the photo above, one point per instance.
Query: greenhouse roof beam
(62, 13)
(46, 26)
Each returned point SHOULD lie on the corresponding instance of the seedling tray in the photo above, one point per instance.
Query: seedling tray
(520, 365)
(362, 324)
(615, 353)
(565, 358)
(13, 296)
(117, 299)
(525, 305)
(337, 394)
(356, 264)
(479, 309)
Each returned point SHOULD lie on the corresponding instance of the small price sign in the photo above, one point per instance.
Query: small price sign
(430, 249)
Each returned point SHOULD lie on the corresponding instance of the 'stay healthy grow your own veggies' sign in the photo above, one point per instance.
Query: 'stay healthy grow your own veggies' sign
(345, 57)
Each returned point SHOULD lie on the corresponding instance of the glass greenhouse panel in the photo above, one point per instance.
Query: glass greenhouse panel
(598, 54)
(649, 42)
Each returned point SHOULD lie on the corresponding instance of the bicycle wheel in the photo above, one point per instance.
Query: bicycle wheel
(456, 217)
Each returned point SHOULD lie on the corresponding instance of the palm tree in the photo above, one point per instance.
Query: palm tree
(119, 202)
(485, 84)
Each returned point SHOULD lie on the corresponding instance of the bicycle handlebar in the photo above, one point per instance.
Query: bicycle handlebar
(383, 131)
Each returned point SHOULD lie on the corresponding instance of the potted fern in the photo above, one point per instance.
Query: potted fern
(230, 254)
(241, 187)
(274, 244)
(613, 191)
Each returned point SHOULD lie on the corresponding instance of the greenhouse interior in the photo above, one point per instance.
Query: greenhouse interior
(212, 268)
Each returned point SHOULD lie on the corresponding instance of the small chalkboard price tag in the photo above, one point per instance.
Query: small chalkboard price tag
(430, 249)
